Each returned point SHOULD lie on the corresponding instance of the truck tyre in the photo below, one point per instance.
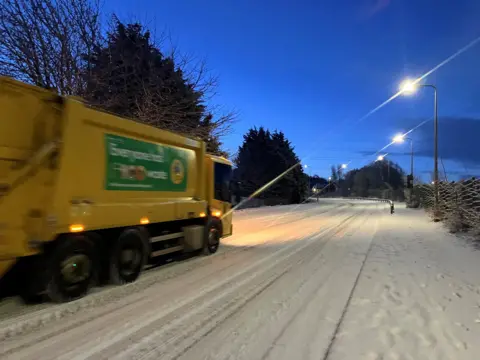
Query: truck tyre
(72, 267)
(32, 281)
(212, 237)
(128, 257)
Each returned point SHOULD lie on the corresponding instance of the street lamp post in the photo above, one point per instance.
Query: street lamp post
(411, 159)
(308, 175)
(408, 87)
(435, 164)
(400, 139)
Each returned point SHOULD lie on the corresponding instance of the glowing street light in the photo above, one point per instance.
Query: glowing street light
(344, 166)
(409, 87)
(400, 138)
(380, 157)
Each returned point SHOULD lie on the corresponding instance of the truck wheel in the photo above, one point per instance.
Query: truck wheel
(72, 269)
(128, 257)
(32, 281)
(212, 238)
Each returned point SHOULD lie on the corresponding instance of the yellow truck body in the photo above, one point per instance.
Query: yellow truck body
(70, 173)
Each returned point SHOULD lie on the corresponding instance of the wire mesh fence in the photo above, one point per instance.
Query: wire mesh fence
(458, 203)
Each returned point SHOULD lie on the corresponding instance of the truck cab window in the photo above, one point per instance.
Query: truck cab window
(223, 175)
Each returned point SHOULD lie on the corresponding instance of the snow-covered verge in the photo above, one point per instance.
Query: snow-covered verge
(335, 280)
(418, 296)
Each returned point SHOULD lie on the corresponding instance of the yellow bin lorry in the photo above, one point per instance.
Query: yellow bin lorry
(87, 197)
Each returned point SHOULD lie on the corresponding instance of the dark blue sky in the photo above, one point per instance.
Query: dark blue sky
(314, 68)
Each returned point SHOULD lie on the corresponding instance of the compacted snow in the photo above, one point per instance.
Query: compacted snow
(338, 279)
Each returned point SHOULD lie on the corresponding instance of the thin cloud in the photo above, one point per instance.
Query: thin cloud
(458, 140)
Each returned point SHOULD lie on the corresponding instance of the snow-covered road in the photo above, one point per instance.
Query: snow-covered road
(331, 280)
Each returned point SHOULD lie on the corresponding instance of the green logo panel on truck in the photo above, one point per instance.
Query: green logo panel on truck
(142, 166)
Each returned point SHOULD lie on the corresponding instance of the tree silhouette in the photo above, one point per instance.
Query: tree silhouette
(261, 158)
(131, 77)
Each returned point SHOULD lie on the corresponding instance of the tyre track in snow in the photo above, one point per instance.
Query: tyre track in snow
(304, 305)
(252, 331)
(164, 343)
(120, 308)
(339, 323)
(212, 317)
(24, 319)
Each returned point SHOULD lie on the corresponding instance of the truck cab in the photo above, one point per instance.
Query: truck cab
(219, 192)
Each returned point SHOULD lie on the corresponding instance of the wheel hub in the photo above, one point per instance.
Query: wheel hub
(75, 268)
(130, 259)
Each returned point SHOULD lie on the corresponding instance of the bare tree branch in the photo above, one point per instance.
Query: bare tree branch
(48, 42)
(57, 43)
